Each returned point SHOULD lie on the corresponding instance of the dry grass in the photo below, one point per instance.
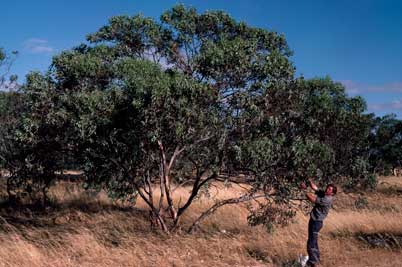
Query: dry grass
(88, 231)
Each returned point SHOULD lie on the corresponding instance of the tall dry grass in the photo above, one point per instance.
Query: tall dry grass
(93, 231)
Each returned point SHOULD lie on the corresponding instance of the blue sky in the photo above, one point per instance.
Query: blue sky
(356, 42)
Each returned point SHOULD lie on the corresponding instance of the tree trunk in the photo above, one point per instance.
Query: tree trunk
(160, 222)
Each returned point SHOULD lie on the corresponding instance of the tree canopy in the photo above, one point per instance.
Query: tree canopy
(386, 143)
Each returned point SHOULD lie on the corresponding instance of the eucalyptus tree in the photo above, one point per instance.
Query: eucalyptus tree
(8, 97)
(134, 125)
(386, 144)
(147, 128)
(33, 147)
(235, 62)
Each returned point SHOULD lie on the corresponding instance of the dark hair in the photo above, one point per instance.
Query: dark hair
(334, 188)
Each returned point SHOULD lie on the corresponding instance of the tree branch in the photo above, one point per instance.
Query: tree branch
(196, 188)
(243, 198)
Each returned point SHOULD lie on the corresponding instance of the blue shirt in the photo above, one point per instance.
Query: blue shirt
(321, 206)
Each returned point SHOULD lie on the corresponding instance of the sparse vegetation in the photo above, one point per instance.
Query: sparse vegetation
(84, 230)
(191, 122)
(361, 202)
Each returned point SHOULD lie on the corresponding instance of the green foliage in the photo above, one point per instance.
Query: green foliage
(10, 105)
(312, 158)
(271, 215)
(303, 129)
(32, 149)
(119, 128)
(210, 47)
(339, 123)
(258, 254)
(9, 102)
(361, 202)
(386, 144)
(290, 263)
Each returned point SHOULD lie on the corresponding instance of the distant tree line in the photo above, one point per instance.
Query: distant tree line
(190, 99)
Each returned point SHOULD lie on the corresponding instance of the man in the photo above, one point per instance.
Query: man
(322, 203)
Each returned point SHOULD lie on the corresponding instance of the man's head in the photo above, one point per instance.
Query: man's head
(331, 190)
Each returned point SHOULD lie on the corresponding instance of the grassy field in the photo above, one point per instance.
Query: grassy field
(362, 230)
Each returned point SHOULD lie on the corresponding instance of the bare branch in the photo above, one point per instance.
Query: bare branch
(196, 188)
(243, 198)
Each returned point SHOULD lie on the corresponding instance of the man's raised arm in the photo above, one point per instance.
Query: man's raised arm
(313, 185)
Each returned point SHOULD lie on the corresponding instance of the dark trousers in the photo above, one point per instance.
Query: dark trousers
(314, 228)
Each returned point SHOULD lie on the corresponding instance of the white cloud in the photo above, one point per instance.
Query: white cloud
(393, 106)
(396, 104)
(354, 88)
(38, 46)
